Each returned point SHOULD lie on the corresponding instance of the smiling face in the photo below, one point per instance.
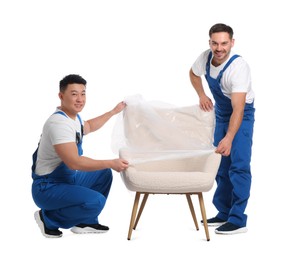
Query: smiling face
(220, 44)
(73, 99)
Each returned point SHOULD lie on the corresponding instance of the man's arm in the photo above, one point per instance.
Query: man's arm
(205, 102)
(238, 103)
(94, 124)
(69, 155)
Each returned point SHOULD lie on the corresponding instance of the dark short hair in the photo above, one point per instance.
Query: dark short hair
(220, 27)
(71, 79)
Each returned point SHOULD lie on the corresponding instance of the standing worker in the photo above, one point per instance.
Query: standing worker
(229, 79)
(71, 189)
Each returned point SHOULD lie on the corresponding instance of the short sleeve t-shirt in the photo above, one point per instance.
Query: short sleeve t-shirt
(58, 129)
(236, 78)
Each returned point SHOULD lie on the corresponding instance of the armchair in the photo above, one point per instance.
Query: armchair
(170, 151)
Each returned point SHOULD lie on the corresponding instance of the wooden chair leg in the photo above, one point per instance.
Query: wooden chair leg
(141, 209)
(203, 213)
(192, 210)
(133, 215)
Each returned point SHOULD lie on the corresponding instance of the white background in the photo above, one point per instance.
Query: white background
(131, 47)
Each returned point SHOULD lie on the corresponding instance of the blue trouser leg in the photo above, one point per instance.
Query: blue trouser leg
(66, 205)
(98, 180)
(223, 195)
(234, 175)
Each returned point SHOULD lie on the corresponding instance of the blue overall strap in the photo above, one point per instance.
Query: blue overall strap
(81, 124)
(79, 118)
(225, 67)
(34, 158)
(61, 113)
(207, 68)
(78, 136)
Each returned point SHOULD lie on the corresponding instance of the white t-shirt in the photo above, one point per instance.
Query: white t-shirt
(236, 78)
(58, 129)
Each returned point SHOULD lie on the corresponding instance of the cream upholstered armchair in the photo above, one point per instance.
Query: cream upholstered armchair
(169, 150)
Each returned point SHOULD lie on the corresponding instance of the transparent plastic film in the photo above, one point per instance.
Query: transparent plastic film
(162, 129)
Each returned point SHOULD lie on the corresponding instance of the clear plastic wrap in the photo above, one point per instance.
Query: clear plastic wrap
(159, 127)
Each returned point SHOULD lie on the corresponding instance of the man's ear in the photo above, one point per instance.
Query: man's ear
(232, 42)
(60, 95)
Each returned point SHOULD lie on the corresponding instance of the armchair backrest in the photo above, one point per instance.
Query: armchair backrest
(152, 127)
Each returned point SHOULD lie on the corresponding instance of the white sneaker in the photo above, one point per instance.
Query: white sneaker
(89, 228)
(49, 233)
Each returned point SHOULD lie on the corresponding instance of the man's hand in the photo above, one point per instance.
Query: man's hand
(205, 103)
(119, 107)
(224, 147)
(119, 165)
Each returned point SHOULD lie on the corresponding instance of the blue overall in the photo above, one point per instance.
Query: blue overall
(70, 197)
(234, 174)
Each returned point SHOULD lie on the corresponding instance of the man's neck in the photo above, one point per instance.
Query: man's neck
(67, 112)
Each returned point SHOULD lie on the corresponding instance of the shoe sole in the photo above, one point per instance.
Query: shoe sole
(232, 232)
(41, 226)
(216, 224)
(87, 230)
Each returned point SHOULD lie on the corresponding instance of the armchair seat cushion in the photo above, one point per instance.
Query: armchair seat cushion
(169, 171)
